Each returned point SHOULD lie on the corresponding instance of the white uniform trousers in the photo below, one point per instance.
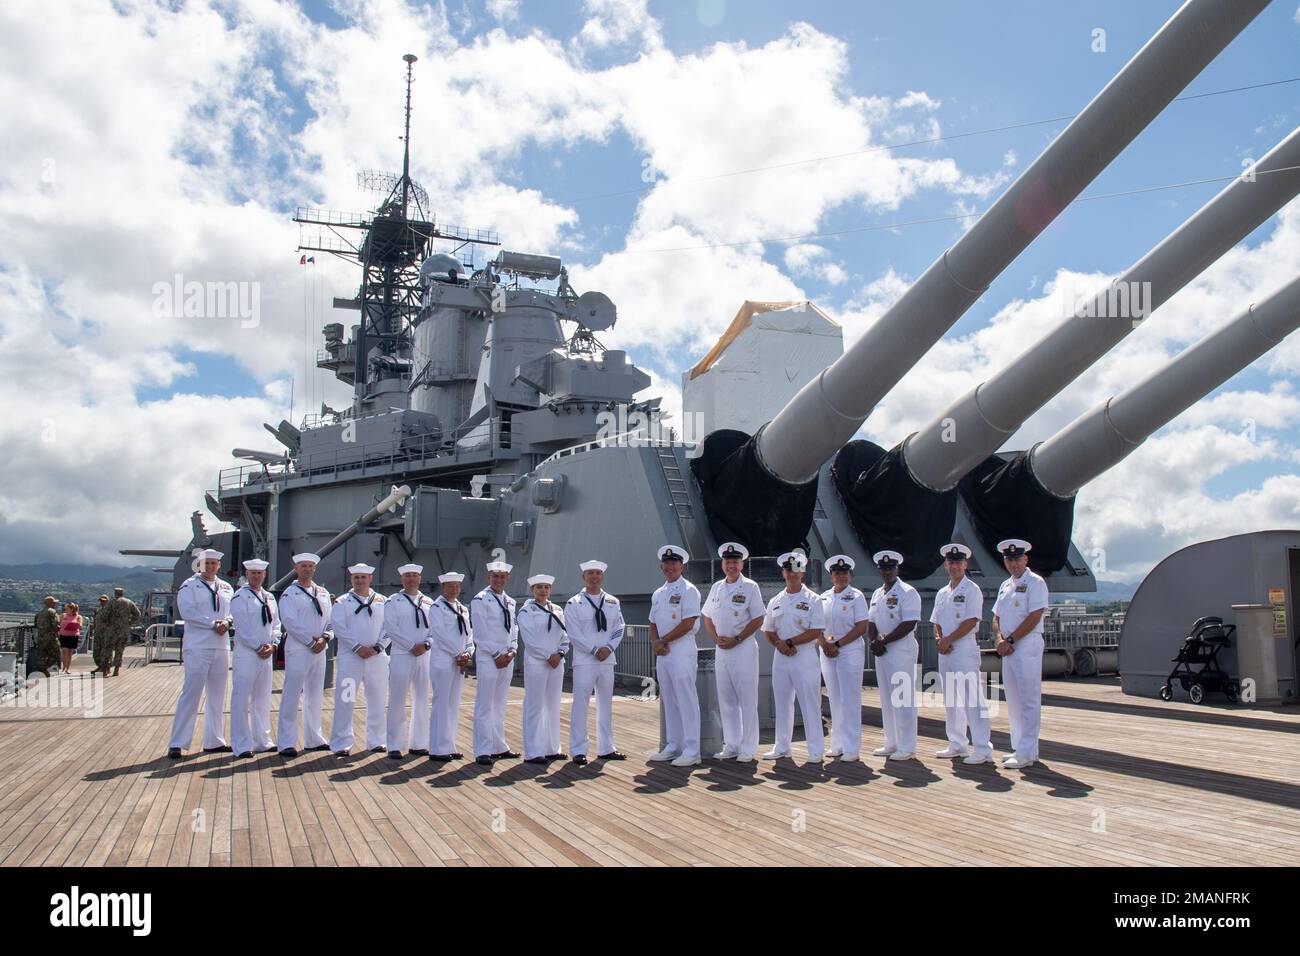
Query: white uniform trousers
(589, 679)
(963, 697)
(490, 706)
(250, 702)
(1022, 676)
(798, 677)
(676, 677)
(448, 682)
(736, 671)
(408, 674)
(205, 676)
(543, 685)
(351, 673)
(304, 681)
(843, 676)
(896, 677)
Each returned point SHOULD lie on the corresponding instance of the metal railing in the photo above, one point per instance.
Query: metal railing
(635, 656)
(623, 439)
(159, 640)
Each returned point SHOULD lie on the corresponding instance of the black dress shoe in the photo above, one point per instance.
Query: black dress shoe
(541, 760)
(321, 747)
(580, 760)
(484, 760)
(394, 755)
(440, 758)
(506, 755)
(612, 755)
(218, 750)
(457, 756)
(342, 753)
(376, 750)
(419, 752)
(174, 753)
(557, 756)
(290, 752)
(244, 756)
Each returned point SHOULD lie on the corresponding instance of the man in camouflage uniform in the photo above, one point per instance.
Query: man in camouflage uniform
(120, 616)
(47, 637)
(99, 630)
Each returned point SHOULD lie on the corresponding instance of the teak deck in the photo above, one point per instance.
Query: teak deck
(1124, 781)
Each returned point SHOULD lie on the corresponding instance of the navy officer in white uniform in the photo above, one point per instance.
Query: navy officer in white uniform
(406, 626)
(496, 642)
(674, 619)
(203, 603)
(358, 621)
(958, 607)
(1018, 628)
(305, 608)
(256, 620)
(895, 611)
(793, 625)
(732, 614)
(844, 656)
(595, 622)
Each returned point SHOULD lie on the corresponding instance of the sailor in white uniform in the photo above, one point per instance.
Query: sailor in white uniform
(406, 626)
(496, 639)
(732, 614)
(203, 603)
(595, 622)
(958, 607)
(1018, 628)
(844, 656)
(793, 625)
(674, 619)
(452, 651)
(305, 617)
(358, 621)
(895, 610)
(546, 643)
(256, 622)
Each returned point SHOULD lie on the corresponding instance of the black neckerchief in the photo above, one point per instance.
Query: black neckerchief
(420, 619)
(602, 623)
(505, 611)
(552, 616)
(266, 608)
(363, 605)
(212, 592)
(460, 618)
(311, 594)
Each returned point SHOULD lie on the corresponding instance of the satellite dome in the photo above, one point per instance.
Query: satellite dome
(440, 266)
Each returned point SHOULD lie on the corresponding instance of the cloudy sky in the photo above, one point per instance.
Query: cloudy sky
(649, 144)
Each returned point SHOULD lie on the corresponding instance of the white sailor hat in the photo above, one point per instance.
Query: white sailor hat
(450, 577)
(840, 562)
(361, 569)
(955, 552)
(793, 561)
(671, 552)
(255, 564)
(887, 559)
(594, 565)
(1013, 547)
(730, 549)
(411, 569)
(211, 554)
(500, 566)
(537, 579)
(306, 556)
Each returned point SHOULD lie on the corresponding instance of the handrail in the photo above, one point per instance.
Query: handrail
(629, 439)
(153, 644)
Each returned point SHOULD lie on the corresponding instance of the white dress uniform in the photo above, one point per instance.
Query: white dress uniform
(206, 656)
(1022, 669)
(789, 614)
(406, 626)
(305, 615)
(671, 604)
(495, 631)
(731, 607)
(257, 622)
(449, 626)
(359, 622)
(959, 669)
(542, 629)
(896, 668)
(842, 611)
(590, 675)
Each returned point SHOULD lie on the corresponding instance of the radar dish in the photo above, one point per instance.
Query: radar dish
(595, 311)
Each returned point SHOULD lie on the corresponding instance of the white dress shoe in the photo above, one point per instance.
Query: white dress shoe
(684, 761)
(976, 759)
(903, 755)
(662, 756)
(744, 758)
(835, 753)
(883, 751)
(725, 755)
(775, 755)
(1015, 763)
(951, 751)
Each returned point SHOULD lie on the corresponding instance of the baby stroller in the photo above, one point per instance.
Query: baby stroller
(1197, 668)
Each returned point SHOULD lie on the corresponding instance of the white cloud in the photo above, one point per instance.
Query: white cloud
(616, 23)
(504, 11)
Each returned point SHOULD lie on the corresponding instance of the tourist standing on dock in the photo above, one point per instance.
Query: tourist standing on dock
(1018, 627)
(595, 622)
(203, 603)
(305, 611)
(70, 624)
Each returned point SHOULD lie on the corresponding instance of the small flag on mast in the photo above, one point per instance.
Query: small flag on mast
(306, 259)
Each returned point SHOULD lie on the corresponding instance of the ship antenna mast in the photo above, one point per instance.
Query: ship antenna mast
(410, 59)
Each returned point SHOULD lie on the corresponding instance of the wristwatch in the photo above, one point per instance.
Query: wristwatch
(789, 643)
(1009, 640)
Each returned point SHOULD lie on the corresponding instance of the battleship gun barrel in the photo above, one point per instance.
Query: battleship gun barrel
(1102, 437)
(977, 424)
(390, 502)
(830, 408)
